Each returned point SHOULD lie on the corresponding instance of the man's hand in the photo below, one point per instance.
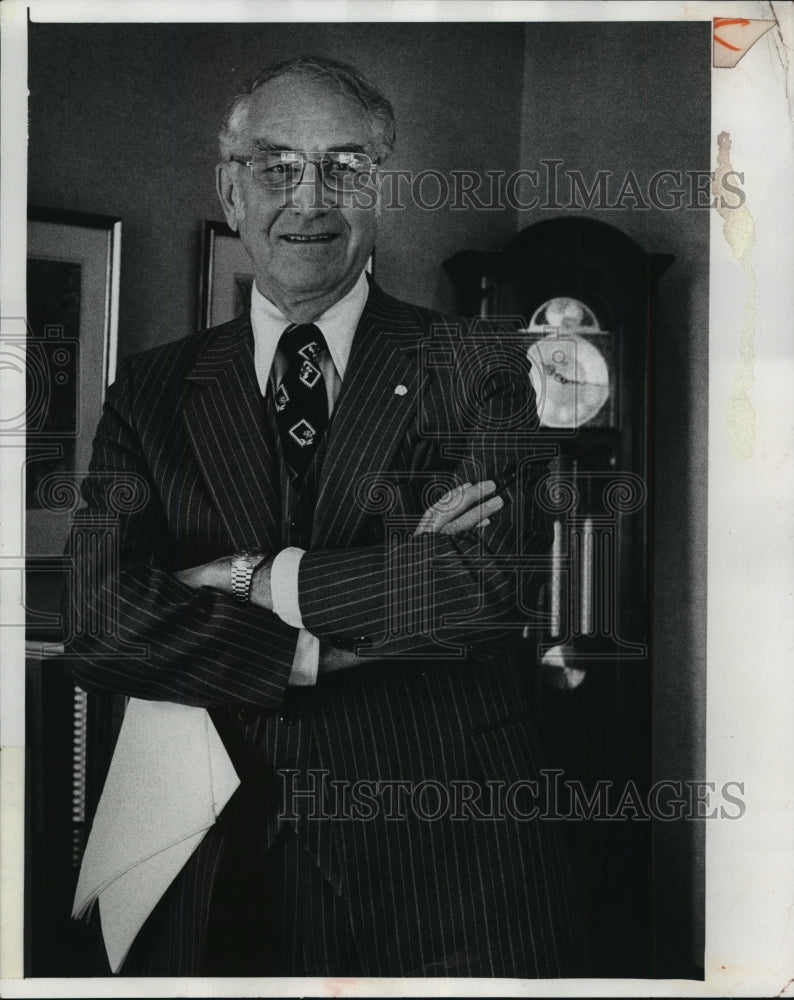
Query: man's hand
(218, 574)
(465, 507)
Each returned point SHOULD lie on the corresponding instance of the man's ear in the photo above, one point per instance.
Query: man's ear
(226, 184)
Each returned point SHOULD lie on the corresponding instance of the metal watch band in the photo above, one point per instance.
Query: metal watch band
(243, 567)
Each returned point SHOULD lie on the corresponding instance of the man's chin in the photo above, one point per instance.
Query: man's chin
(304, 284)
(316, 272)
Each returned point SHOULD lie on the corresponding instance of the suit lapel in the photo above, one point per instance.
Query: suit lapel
(377, 402)
(231, 438)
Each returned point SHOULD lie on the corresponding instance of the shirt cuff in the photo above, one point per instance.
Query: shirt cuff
(284, 585)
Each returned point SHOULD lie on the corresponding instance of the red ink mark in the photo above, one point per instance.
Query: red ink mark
(723, 22)
(744, 31)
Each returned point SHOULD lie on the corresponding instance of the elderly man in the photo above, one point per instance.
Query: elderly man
(292, 571)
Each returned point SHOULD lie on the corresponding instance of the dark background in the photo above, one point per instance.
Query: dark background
(123, 122)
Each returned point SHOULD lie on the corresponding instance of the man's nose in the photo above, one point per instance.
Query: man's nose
(310, 194)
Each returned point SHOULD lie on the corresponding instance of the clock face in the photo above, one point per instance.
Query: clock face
(570, 377)
(564, 313)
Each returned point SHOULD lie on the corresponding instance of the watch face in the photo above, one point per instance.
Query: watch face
(570, 377)
(246, 558)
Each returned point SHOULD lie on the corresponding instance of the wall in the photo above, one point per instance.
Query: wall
(124, 119)
(621, 97)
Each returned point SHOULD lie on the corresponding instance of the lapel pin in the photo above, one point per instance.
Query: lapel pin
(400, 390)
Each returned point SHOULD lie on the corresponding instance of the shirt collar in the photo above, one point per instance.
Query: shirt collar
(338, 325)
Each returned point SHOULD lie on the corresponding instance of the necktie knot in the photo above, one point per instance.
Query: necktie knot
(301, 401)
(302, 342)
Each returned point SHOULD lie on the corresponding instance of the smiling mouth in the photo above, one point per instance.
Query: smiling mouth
(310, 238)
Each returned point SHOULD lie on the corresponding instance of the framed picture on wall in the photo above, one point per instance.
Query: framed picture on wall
(226, 275)
(72, 330)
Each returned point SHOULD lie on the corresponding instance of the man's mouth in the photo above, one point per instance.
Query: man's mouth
(309, 238)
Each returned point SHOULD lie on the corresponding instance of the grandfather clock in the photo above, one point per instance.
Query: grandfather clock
(584, 294)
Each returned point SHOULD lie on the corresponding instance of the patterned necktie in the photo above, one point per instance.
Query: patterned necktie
(301, 400)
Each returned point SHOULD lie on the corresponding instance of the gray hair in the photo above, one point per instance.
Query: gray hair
(346, 79)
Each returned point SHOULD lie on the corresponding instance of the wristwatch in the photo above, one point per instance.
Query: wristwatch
(244, 564)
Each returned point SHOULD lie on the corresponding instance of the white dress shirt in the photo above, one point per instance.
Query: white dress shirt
(338, 326)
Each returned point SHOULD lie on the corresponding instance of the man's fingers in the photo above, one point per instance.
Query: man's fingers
(435, 517)
(192, 577)
(454, 504)
(212, 574)
(473, 517)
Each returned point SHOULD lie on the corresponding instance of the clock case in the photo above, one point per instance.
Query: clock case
(594, 709)
(606, 459)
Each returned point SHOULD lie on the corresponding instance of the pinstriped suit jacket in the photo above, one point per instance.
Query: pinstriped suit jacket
(444, 701)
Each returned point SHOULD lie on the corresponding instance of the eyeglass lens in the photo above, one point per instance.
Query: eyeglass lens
(284, 168)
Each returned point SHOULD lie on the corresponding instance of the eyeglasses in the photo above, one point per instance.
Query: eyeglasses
(282, 169)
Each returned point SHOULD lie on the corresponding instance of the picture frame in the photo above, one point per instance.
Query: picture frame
(73, 267)
(227, 275)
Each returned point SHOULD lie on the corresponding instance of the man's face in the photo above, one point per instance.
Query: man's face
(308, 245)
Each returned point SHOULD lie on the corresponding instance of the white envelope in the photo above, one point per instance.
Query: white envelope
(169, 779)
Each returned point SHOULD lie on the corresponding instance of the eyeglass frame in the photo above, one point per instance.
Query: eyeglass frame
(304, 154)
